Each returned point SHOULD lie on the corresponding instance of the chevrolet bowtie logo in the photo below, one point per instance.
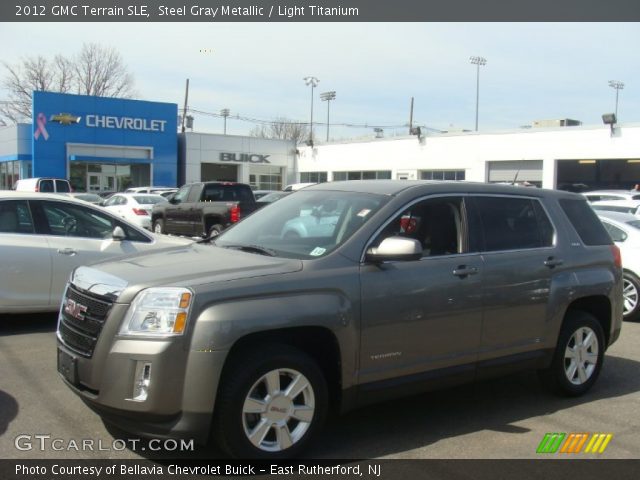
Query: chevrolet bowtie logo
(65, 118)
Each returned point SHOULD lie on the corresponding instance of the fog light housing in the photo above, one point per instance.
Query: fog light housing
(141, 381)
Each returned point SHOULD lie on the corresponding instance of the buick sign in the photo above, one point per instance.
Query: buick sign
(244, 157)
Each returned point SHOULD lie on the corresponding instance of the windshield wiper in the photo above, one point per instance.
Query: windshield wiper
(252, 249)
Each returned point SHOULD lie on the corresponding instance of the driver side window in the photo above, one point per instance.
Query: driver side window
(76, 221)
(435, 223)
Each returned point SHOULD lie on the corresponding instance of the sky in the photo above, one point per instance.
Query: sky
(534, 70)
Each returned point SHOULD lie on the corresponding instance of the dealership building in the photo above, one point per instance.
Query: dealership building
(107, 144)
(573, 158)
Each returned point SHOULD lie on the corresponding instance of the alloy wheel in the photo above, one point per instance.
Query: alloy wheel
(278, 410)
(581, 355)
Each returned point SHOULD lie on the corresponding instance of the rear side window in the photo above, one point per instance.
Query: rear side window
(45, 186)
(514, 223)
(62, 186)
(585, 222)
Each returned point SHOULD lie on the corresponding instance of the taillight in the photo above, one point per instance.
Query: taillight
(617, 257)
(140, 211)
(235, 213)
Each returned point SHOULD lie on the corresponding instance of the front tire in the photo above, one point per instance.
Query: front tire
(630, 296)
(578, 357)
(271, 404)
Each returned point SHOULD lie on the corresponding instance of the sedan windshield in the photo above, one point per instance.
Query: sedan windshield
(305, 225)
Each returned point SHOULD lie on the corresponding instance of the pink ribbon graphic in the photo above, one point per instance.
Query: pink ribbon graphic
(41, 121)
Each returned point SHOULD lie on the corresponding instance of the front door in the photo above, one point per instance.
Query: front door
(424, 315)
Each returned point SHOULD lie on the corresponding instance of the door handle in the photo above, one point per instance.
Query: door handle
(463, 271)
(67, 251)
(553, 262)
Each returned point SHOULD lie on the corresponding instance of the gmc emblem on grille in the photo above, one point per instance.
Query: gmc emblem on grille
(75, 309)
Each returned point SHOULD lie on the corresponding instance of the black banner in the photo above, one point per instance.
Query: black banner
(317, 10)
(543, 469)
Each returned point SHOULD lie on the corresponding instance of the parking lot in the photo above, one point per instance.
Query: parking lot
(502, 418)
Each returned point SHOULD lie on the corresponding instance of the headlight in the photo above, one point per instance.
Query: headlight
(159, 312)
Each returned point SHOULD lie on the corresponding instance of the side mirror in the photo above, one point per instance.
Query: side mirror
(395, 249)
(118, 234)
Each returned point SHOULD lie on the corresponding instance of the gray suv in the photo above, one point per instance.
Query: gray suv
(394, 288)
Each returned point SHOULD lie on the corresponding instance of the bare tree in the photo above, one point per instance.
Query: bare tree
(284, 129)
(94, 71)
(101, 72)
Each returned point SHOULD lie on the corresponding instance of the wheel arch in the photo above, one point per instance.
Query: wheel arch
(597, 305)
(319, 343)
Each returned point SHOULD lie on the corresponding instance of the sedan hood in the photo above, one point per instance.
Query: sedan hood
(190, 265)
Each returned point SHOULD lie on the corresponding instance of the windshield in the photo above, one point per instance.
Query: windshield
(304, 225)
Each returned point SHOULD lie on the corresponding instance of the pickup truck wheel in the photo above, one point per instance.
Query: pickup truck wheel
(270, 405)
(158, 226)
(578, 356)
(215, 230)
(630, 294)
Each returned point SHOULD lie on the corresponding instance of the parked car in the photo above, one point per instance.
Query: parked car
(134, 207)
(43, 237)
(270, 198)
(599, 195)
(87, 197)
(258, 194)
(297, 186)
(203, 209)
(156, 190)
(624, 229)
(255, 337)
(620, 206)
(43, 184)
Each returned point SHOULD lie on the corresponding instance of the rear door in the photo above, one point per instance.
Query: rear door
(25, 265)
(520, 257)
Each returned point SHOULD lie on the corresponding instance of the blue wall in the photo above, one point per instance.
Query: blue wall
(121, 122)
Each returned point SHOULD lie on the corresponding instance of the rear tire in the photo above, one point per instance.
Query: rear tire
(215, 230)
(578, 357)
(630, 296)
(271, 403)
(158, 226)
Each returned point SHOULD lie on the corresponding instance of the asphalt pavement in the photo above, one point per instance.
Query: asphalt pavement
(504, 418)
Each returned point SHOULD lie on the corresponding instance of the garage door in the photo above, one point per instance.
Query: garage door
(520, 170)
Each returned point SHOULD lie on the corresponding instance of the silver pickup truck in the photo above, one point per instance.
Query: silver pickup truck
(340, 295)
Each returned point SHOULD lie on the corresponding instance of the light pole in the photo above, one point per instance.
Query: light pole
(225, 113)
(618, 86)
(327, 97)
(313, 81)
(478, 61)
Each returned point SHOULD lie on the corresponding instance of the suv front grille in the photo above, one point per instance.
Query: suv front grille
(82, 317)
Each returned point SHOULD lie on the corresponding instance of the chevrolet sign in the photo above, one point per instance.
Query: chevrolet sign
(125, 123)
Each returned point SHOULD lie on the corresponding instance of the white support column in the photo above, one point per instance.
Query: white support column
(549, 173)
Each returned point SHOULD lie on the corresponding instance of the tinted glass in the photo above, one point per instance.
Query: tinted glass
(585, 222)
(15, 217)
(46, 186)
(435, 223)
(76, 221)
(62, 186)
(513, 223)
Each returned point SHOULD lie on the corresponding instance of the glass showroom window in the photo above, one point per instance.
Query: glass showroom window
(442, 175)
(313, 177)
(362, 175)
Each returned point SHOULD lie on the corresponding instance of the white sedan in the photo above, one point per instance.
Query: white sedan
(624, 229)
(135, 207)
(43, 237)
